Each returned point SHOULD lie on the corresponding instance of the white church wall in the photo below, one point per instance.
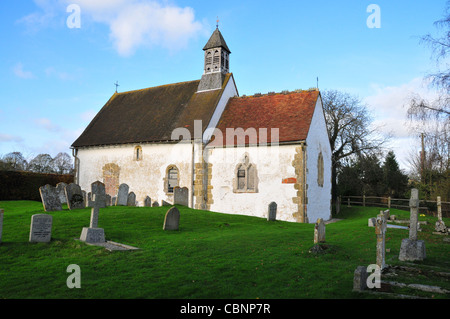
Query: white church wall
(145, 177)
(273, 164)
(319, 197)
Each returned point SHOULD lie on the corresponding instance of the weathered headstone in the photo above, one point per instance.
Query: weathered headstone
(108, 200)
(380, 231)
(74, 196)
(93, 234)
(88, 199)
(41, 228)
(131, 200)
(372, 221)
(114, 201)
(272, 212)
(50, 198)
(164, 203)
(360, 278)
(181, 196)
(61, 190)
(155, 204)
(412, 249)
(172, 219)
(440, 227)
(148, 202)
(98, 189)
(1, 223)
(319, 231)
(122, 195)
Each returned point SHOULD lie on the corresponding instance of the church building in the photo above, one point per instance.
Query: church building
(235, 154)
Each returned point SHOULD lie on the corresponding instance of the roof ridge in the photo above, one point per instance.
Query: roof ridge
(154, 87)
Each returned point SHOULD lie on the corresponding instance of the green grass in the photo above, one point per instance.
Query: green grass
(213, 255)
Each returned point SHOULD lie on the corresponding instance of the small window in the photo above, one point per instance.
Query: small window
(172, 179)
(246, 178)
(138, 153)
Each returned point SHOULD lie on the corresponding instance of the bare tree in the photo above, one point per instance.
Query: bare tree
(42, 163)
(14, 161)
(349, 128)
(62, 163)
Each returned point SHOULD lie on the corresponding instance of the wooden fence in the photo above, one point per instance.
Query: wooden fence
(425, 206)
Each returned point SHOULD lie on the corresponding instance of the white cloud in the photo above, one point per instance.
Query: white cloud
(47, 124)
(21, 73)
(10, 138)
(132, 23)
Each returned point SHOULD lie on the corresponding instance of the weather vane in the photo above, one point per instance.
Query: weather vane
(116, 84)
(217, 21)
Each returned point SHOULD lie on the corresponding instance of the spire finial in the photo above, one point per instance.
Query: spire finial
(217, 21)
(116, 84)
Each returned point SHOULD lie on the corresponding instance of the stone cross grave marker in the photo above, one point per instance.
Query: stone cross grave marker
(122, 195)
(380, 231)
(93, 234)
(272, 212)
(319, 231)
(41, 228)
(439, 208)
(412, 249)
(50, 198)
(61, 190)
(74, 196)
(131, 200)
(148, 202)
(181, 196)
(1, 223)
(98, 189)
(172, 219)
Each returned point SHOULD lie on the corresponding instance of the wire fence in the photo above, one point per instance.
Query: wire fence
(428, 207)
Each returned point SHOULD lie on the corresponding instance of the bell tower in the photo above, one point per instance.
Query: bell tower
(217, 62)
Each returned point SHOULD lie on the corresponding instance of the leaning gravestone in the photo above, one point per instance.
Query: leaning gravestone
(164, 203)
(41, 228)
(181, 196)
(319, 231)
(1, 223)
(93, 234)
(74, 196)
(61, 190)
(98, 189)
(412, 249)
(272, 213)
(50, 198)
(131, 200)
(172, 219)
(148, 202)
(122, 195)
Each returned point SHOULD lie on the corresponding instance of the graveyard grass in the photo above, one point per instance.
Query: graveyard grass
(212, 255)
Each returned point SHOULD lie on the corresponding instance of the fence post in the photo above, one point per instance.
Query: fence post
(389, 202)
(439, 208)
(364, 200)
(348, 202)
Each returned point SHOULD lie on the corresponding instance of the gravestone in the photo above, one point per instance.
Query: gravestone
(164, 203)
(122, 195)
(50, 198)
(98, 189)
(74, 196)
(319, 231)
(181, 196)
(93, 234)
(131, 200)
(272, 212)
(88, 199)
(108, 200)
(114, 201)
(155, 204)
(380, 231)
(148, 202)
(61, 190)
(412, 249)
(360, 278)
(372, 221)
(1, 224)
(41, 228)
(172, 219)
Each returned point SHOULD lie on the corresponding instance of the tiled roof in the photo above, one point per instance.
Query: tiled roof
(150, 115)
(290, 112)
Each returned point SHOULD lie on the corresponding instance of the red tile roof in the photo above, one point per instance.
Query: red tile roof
(290, 112)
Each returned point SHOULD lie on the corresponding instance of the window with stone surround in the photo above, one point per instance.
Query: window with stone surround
(138, 153)
(245, 177)
(172, 179)
(320, 170)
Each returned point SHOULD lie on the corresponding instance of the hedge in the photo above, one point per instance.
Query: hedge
(18, 185)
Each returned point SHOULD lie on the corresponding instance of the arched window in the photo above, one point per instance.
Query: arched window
(320, 170)
(246, 177)
(172, 179)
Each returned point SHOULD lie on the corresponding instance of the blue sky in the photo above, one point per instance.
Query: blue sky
(54, 78)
